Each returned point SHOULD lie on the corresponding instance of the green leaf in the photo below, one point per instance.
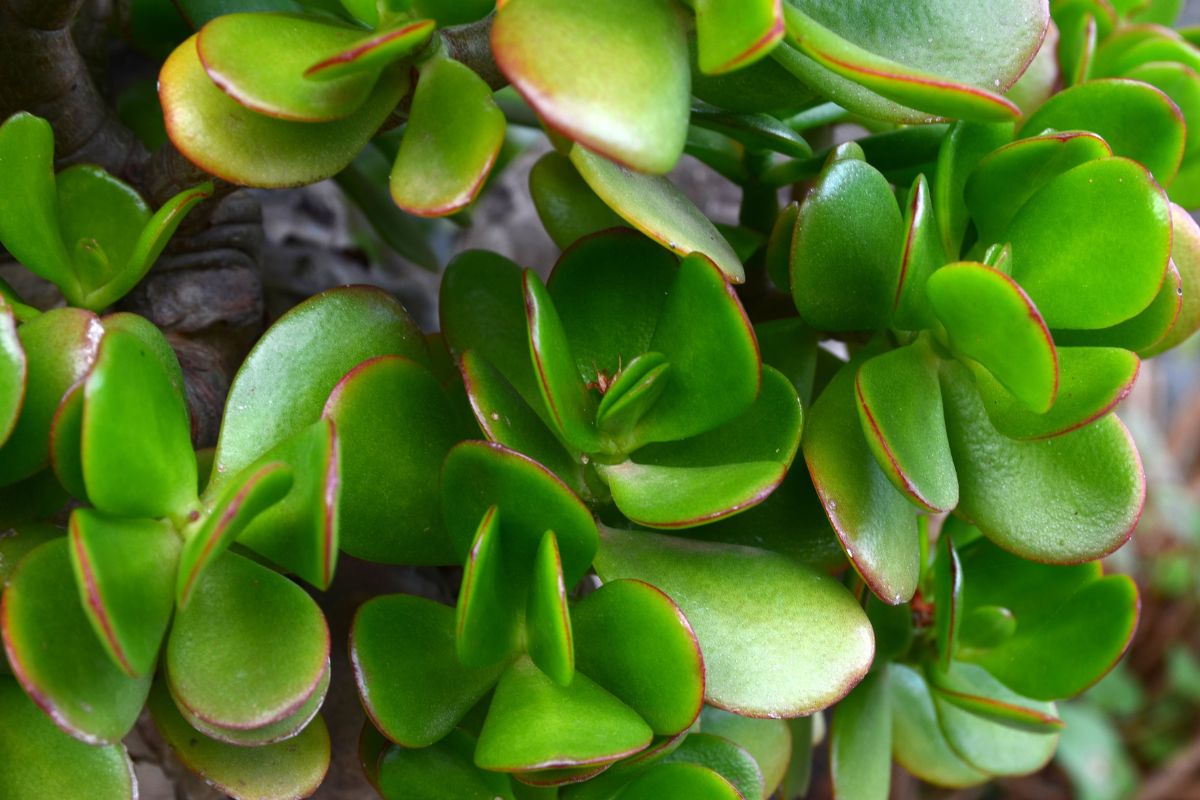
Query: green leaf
(707, 477)
(453, 136)
(567, 207)
(900, 409)
(614, 78)
(1143, 331)
(487, 619)
(657, 208)
(396, 423)
(875, 523)
(124, 570)
(52, 353)
(726, 758)
(860, 742)
(105, 213)
(610, 291)
(281, 730)
(154, 339)
(1005, 179)
(66, 444)
(732, 36)
(918, 743)
(29, 228)
(1073, 498)
(1137, 120)
(233, 510)
(287, 769)
(779, 247)
(761, 87)
(921, 253)
(1092, 381)
(230, 141)
(632, 393)
(14, 374)
(137, 447)
(947, 600)
(631, 639)
(532, 724)
(284, 382)
(973, 689)
(1091, 735)
(778, 639)
(54, 652)
(250, 649)
(964, 146)
(769, 741)
(477, 475)
(987, 627)
(931, 91)
(1185, 254)
(572, 408)
(843, 276)
(443, 770)
(681, 781)
(43, 763)
(547, 621)
(1091, 246)
(984, 742)
(373, 53)
(990, 319)
(409, 677)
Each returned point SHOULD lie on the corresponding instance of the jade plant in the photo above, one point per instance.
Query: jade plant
(706, 498)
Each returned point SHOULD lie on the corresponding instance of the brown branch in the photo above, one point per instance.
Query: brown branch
(472, 45)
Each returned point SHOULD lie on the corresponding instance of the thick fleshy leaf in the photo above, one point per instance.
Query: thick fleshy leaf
(987, 743)
(947, 599)
(635, 642)
(54, 652)
(230, 141)
(760, 133)
(918, 743)
(920, 254)
(681, 781)
(137, 446)
(728, 759)
(613, 77)
(762, 87)
(844, 276)
(1092, 380)
(973, 689)
(547, 621)
(932, 91)
(233, 510)
(1091, 246)
(453, 136)
(125, 571)
(566, 205)
(657, 208)
(14, 373)
(152, 337)
(860, 741)
(532, 724)
(298, 530)
(66, 444)
(394, 422)
(487, 620)
(281, 730)
(446, 769)
(1136, 119)
(59, 346)
(477, 475)
(1073, 498)
(1185, 254)
(99, 218)
(294, 768)
(1008, 177)
(32, 500)
(731, 36)
(251, 647)
(409, 677)
(1072, 624)
(284, 383)
(769, 741)
(991, 319)
(778, 639)
(778, 252)
(43, 763)
(1143, 331)
(631, 394)
(572, 408)
(710, 476)
(876, 524)
(964, 146)
(17, 542)
(610, 291)
(29, 226)
(375, 52)
(900, 408)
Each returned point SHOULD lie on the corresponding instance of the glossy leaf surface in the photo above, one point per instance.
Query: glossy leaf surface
(1072, 498)
(444, 769)
(635, 642)
(532, 723)
(453, 136)
(409, 677)
(733, 35)
(374, 52)
(860, 744)
(972, 688)
(769, 741)
(566, 205)
(1185, 253)
(555, 53)
(249, 649)
(228, 140)
(54, 652)
(920, 255)
(876, 524)
(657, 208)
(487, 620)
(14, 371)
(679, 782)
(746, 607)
(547, 620)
